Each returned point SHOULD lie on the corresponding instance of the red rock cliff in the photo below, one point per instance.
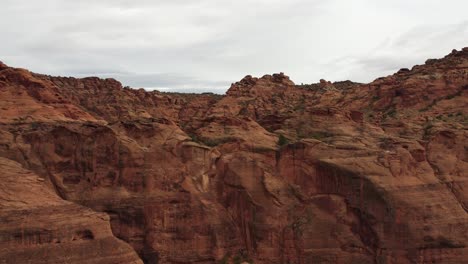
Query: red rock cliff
(272, 172)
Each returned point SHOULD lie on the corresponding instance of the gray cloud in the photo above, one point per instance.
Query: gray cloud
(188, 45)
(401, 51)
(164, 81)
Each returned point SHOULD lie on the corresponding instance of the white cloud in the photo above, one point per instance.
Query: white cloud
(208, 44)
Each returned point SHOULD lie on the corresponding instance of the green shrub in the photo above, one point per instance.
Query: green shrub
(321, 135)
(282, 140)
(427, 130)
(217, 141)
(237, 260)
(225, 259)
(391, 113)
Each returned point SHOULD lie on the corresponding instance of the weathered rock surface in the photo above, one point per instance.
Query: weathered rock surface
(37, 226)
(272, 172)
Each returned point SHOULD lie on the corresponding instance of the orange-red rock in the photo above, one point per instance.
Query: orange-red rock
(271, 172)
(39, 227)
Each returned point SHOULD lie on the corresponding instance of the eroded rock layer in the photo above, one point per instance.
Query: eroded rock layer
(271, 172)
(39, 227)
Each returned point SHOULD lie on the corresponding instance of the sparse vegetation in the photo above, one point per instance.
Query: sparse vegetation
(424, 109)
(427, 130)
(295, 190)
(321, 135)
(194, 138)
(217, 141)
(262, 149)
(434, 102)
(441, 242)
(35, 125)
(237, 259)
(225, 259)
(385, 142)
(211, 142)
(446, 243)
(390, 113)
(301, 105)
(451, 96)
(282, 140)
(299, 224)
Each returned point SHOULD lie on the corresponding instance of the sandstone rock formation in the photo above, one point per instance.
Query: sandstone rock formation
(39, 227)
(271, 172)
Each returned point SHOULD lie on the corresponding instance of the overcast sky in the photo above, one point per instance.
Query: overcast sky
(205, 45)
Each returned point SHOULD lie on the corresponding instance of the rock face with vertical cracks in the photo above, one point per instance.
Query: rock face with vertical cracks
(271, 172)
(39, 227)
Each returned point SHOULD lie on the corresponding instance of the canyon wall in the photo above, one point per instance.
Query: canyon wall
(271, 172)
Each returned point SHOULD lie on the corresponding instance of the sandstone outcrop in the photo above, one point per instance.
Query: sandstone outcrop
(271, 172)
(37, 226)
